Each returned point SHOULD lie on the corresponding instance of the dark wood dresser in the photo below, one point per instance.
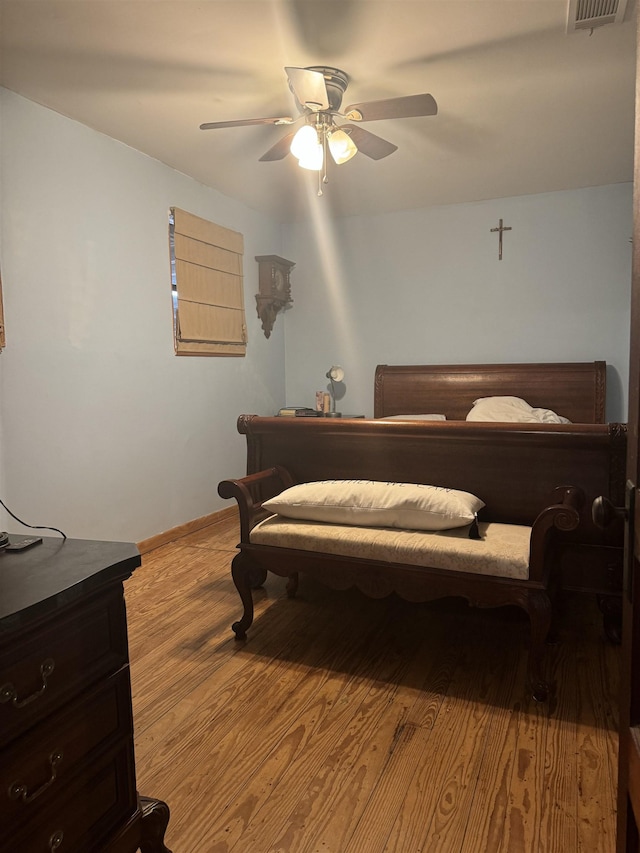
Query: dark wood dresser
(67, 771)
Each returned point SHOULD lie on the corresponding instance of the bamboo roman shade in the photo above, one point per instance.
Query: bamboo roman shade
(206, 276)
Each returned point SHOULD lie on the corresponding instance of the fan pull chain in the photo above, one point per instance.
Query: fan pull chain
(325, 138)
(322, 173)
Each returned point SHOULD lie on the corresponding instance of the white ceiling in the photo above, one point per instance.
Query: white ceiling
(523, 106)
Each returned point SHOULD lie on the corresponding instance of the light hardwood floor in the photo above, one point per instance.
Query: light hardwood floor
(346, 725)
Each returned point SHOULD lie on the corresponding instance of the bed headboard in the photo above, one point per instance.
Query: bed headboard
(574, 390)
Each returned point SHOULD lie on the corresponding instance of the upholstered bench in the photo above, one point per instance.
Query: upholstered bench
(502, 550)
(487, 562)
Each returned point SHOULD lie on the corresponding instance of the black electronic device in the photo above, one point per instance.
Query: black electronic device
(22, 544)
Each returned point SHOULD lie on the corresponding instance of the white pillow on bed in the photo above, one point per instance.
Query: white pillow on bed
(512, 409)
(414, 418)
(370, 503)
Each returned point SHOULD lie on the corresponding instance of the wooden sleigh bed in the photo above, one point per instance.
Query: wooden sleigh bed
(575, 390)
(543, 476)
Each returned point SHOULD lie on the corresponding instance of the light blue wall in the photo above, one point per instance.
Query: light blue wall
(105, 432)
(426, 286)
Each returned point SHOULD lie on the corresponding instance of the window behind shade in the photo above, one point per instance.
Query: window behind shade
(206, 285)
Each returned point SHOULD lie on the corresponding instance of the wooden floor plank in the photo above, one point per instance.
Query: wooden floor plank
(378, 748)
(408, 752)
(312, 781)
(597, 748)
(435, 813)
(280, 695)
(491, 808)
(559, 826)
(346, 725)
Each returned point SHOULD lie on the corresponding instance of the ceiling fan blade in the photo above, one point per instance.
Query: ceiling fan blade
(214, 125)
(368, 143)
(409, 106)
(309, 88)
(280, 150)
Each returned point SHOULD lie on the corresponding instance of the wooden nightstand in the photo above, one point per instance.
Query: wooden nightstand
(67, 772)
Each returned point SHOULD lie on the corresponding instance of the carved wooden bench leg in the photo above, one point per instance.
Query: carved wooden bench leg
(556, 595)
(538, 606)
(611, 609)
(155, 817)
(242, 572)
(292, 585)
(257, 577)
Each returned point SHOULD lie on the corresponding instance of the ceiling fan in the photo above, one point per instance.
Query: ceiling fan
(318, 92)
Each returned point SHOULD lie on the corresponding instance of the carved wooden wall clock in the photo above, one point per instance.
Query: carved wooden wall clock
(274, 288)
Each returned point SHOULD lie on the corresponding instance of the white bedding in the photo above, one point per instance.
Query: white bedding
(512, 410)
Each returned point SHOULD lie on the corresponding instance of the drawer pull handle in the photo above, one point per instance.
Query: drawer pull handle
(8, 692)
(56, 840)
(18, 791)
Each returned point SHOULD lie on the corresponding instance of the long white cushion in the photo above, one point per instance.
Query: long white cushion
(372, 503)
(414, 418)
(503, 550)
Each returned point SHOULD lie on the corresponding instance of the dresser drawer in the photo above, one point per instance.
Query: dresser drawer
(59, 659)
(35, 768)
(90, 809)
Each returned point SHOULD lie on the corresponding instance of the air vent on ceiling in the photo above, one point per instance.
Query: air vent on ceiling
(587, 14)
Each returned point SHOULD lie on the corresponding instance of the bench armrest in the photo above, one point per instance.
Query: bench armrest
(250, 491)
(562, 515)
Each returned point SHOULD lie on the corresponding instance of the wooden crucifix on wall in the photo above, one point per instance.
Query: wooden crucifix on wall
(500, 229)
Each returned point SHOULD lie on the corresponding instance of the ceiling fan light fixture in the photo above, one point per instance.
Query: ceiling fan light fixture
(318, 91)
(312, 159)
(305, 140)
(341, 146)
